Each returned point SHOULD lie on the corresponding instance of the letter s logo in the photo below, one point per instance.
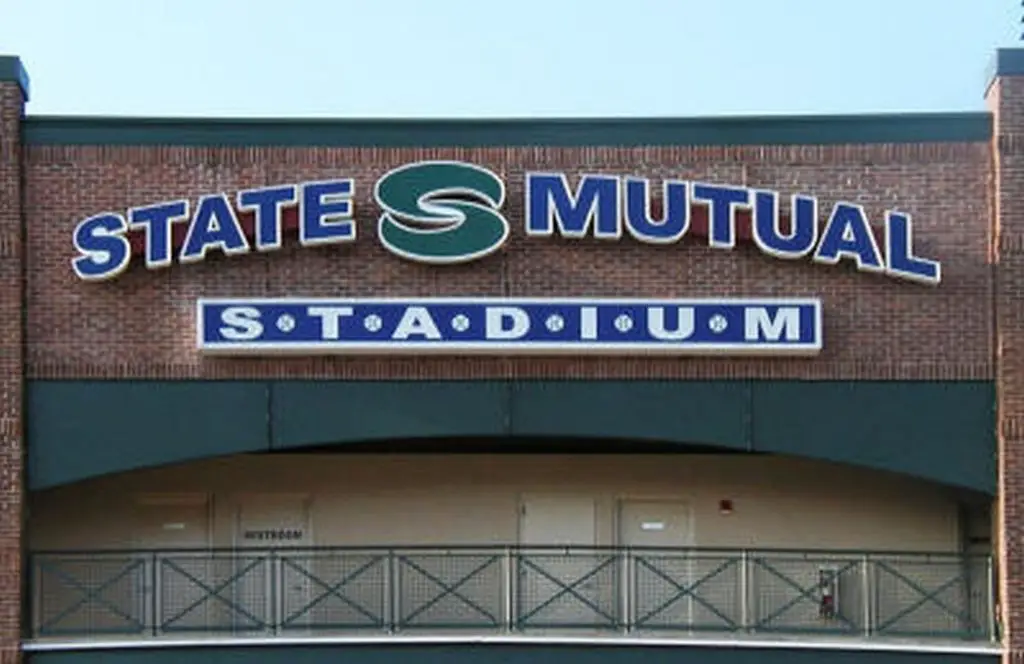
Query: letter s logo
(441, 211)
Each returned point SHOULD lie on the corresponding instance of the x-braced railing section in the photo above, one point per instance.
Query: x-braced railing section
(331, 591)
(567, 590)
(794, 596)
(444, 591)
(669, 590)
(225, 593)
(95, 594)
(269, 592)
(927, 595)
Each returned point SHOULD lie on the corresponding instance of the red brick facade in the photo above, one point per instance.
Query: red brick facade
(12, 368)
(1006, 100)
(140, 325)
(875, 327)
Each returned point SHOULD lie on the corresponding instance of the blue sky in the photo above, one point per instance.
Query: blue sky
(518, 58)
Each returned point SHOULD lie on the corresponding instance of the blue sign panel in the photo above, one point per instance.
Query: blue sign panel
(504, 326)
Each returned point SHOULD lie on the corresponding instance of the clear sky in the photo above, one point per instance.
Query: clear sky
(514, 58)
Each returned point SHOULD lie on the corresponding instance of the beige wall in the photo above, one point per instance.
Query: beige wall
(449, 500)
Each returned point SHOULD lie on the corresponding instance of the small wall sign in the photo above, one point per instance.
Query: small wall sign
(274, 534)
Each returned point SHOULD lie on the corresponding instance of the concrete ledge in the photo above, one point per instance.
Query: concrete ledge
(515, 650)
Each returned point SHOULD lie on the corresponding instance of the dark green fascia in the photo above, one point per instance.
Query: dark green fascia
(12, 71)
(943, 431)
(556, 132)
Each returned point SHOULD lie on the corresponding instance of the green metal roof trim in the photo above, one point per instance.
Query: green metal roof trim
(556, 132)
(11, 70)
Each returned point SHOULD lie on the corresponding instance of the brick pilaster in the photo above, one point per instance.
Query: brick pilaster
(13, 96)
(1005, 98)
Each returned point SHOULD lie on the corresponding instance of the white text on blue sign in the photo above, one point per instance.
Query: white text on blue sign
(506, 326)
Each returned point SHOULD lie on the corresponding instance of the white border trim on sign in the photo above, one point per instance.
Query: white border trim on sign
(519, 348)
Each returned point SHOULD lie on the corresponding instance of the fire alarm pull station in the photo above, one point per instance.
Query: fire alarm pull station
(828, 592)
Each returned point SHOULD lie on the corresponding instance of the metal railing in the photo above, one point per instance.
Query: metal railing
(147, 594)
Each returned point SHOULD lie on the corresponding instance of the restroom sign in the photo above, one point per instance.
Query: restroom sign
(509, 326)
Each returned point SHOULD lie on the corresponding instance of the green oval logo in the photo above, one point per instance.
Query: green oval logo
(441, 211)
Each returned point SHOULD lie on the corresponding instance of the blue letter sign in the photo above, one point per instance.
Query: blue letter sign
(444, 212)
(505, 326)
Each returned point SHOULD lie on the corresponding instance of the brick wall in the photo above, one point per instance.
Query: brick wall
(11, 370)
(1006, 100)
(140, 325)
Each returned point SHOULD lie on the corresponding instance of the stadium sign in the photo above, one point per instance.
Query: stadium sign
(444, 212)
(508, 326)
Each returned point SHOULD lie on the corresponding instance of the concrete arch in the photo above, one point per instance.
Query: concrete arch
(940, 431)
